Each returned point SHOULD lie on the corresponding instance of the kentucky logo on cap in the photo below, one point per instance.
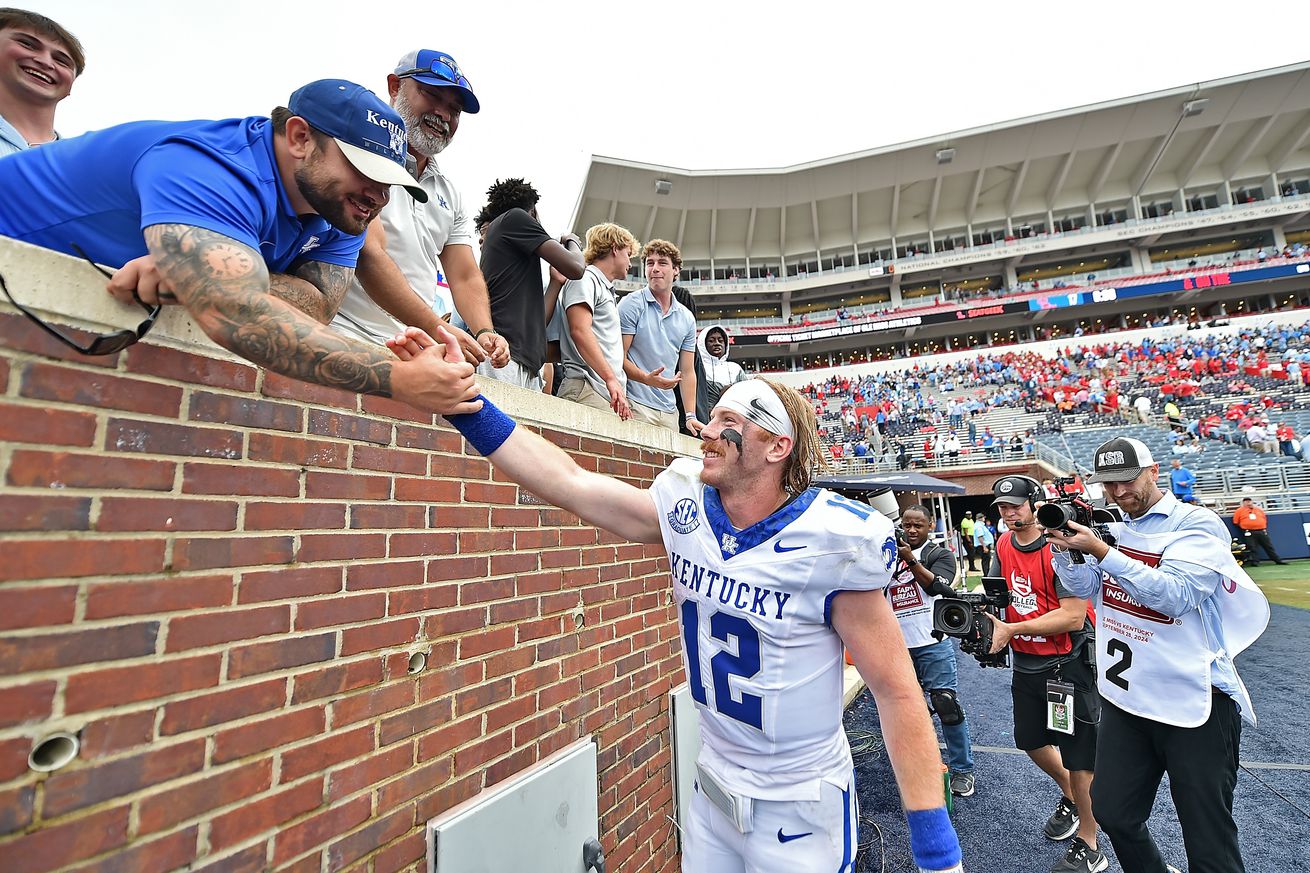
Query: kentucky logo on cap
(396, 146)
(370, 133)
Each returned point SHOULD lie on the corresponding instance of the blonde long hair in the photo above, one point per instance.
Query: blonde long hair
(807, 457)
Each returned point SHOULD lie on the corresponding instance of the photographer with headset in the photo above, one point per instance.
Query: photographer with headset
(1056, 705)
(923, 572)
(1173, 610)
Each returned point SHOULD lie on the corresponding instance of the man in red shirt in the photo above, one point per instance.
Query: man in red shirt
(1050, 633)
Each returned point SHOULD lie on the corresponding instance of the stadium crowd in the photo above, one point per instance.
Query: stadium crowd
(935, 408)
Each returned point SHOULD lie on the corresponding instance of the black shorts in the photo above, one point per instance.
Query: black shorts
(1078, 751)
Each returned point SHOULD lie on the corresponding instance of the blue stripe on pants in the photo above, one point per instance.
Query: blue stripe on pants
(850, 827)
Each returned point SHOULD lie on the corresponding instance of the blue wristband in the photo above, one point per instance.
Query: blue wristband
(932, 839)
(486, 430)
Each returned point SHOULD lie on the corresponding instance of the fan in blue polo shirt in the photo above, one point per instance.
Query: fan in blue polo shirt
(253, 224)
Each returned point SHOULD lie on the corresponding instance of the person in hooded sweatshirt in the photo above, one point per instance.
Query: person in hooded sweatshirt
(719, 371)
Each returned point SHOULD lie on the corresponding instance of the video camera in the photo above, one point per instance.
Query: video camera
(965, 617)
(1058, 513)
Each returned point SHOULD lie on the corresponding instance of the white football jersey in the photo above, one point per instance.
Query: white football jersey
(763, 663)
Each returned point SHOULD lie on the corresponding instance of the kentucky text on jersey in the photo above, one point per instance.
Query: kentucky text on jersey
(764, 602)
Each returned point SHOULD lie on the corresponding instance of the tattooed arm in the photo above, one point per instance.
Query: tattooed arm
(224, 284)
(315, 288)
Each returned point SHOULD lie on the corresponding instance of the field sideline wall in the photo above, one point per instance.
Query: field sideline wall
(216, 578)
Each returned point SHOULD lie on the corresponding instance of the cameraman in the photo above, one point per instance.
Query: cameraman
(1173, 610)
(924, 571)
(1048, 629)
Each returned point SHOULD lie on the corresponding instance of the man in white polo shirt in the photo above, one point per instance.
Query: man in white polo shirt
(417, 264)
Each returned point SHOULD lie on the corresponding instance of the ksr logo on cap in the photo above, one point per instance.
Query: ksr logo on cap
(1110, 459)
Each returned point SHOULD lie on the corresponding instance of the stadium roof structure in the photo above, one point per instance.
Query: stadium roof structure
(1217, 137)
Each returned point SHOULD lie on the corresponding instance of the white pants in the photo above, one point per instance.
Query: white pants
(790, 836)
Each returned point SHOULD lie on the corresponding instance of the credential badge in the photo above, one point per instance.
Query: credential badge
(685, 516)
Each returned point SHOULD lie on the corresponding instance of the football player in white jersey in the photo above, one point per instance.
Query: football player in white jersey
(771, 577)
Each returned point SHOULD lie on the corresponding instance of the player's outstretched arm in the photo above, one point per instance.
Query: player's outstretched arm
(868, 627)
(542, 467)
(224, 284)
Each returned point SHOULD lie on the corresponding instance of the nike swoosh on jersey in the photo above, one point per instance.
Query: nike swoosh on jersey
(787, 838)
(780, 548)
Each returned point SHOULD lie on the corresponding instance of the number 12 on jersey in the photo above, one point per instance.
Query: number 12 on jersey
(736, 633)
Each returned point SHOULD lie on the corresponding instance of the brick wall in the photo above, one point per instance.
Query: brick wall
(216, 578)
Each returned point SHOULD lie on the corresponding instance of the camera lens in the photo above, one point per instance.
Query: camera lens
(1054, 515)
(955, 617)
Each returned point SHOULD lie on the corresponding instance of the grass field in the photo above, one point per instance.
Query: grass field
(1288, 585)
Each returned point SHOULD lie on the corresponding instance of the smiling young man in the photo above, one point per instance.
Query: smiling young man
(1173, 610)
(417, 265)
(253, 224)
(659, 343)
(770, 578)
(39, 60)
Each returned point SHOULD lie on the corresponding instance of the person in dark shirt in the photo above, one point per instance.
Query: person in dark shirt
(515, 245)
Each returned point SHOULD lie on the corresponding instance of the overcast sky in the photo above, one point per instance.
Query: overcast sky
(695, 85)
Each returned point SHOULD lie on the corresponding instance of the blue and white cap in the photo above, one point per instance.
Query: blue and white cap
(439, 70)
(370, 133)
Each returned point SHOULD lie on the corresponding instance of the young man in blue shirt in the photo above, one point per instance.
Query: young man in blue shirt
(39, 60)
(659, 343)
(253, 224)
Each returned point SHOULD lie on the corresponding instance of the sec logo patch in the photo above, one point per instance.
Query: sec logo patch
(685, 516)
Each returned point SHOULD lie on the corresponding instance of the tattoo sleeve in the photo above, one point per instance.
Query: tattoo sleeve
(314, 287)
(225, 286)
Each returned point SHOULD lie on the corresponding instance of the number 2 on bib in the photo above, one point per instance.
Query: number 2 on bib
(745, 662)
(1115, 672)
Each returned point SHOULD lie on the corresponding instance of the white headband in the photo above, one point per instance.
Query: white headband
(756, 401)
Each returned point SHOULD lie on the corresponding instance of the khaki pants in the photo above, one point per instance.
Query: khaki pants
(579, 390)
(657, 417)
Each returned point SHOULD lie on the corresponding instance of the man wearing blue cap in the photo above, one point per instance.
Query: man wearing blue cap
(253, 224)
(417, 265)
